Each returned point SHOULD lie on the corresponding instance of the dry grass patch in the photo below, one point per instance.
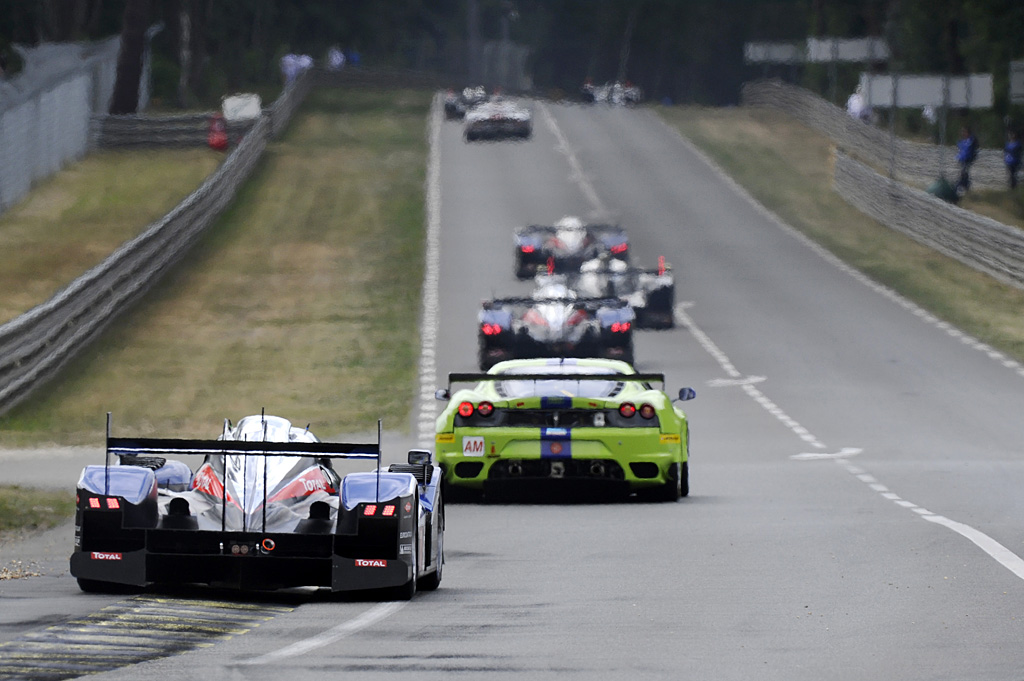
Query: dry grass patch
(303, 299)
(788, 167)
(74, 220)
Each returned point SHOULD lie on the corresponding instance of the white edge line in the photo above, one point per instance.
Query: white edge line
(352, 626)
(1000, 553)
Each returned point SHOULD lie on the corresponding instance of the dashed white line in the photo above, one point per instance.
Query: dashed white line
(577, 175)
(431, 274)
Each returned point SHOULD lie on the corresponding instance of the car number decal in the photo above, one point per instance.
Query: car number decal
(473, 445)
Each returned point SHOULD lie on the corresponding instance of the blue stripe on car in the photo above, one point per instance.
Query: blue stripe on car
(555, 402)
(555, 443)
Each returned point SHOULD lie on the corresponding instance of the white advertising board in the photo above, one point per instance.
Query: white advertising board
(242, 107)
(971, 92)
(773, 53)
(824, 50)
(1017, 82)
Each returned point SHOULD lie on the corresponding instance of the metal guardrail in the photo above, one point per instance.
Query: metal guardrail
(912, 162)
(976, 241)
(37, 344)
(185, 130)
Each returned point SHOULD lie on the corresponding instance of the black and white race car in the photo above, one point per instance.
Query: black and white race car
(566, 245)
(650, 292)
(498, 119)
(456, 104)
(554, 322)
(265, 510)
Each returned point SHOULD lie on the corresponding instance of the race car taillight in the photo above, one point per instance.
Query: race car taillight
(111, 503)
(620, 327)
(466, 409)
(627, 409)
(370, 509)
(661, 265)
(619, 248)
(527, 248)
(485, 409)
(388, 511)
(491, 329)
(647, 411)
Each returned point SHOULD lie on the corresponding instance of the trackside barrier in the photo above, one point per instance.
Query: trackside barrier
(913, 162)
(36, 345)
(976, 241)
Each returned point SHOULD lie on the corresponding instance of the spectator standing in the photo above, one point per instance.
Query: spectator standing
(1012, 156)
(967, 152)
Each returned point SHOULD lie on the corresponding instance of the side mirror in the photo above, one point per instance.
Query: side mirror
(442, 394)
(687, 394)
(420, 457)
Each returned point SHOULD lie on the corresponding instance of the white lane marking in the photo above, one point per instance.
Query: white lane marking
(364, 620)
(842, 453)
(994, 549)
(729, 382)
(1000, 553)
(431, 275)
(709, 346)
(577, 175)
(831, 258)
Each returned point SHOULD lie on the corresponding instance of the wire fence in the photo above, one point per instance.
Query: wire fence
(45, 113)
(976, 241)
(912, 162)
(36, 345)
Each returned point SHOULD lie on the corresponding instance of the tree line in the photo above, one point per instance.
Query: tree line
(682, 50)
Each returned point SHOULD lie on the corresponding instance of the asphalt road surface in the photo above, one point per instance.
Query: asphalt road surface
(856, 479)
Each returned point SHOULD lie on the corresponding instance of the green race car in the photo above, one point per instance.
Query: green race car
(541, 425)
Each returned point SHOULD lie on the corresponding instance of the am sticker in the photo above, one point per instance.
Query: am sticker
(473, 445)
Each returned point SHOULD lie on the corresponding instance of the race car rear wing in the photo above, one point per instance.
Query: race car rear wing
(581, 302)
(122, 447)
(476, 377)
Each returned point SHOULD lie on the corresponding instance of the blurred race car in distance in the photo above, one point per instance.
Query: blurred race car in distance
(560, 426)
(650, 292)
(456, 104)
(265, 510)
(617, 93)
(566, 245)
(554, 322)
(498, 119)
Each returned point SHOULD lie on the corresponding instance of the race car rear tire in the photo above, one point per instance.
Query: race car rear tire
(433, 580)
(677, 485)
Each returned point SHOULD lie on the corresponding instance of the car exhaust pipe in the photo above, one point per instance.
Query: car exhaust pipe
(515, 469)
(597, 469)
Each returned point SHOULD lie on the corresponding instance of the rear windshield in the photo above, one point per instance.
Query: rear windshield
(558, 387)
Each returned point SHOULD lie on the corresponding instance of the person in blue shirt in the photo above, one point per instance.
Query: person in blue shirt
(1012, 156)
(967, 152)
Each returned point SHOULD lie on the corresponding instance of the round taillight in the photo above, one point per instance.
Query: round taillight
(485, 409)
(627, 409)
(647, 411)
(466, 409)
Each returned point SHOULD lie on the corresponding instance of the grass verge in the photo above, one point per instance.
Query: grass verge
(74, 220)
(302, 299)
(788, 168)
(23, 509)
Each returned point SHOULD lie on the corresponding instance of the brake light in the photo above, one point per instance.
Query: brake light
(527, 248)
(627, 409)
(491, 329)
(94, 502)
(370, 509)
(466, 410)
(551, 265)
(620, 327)
(485, 409)
(619, 248)
(388, 511)
(113, 503)
(647, 411)
(661, 265)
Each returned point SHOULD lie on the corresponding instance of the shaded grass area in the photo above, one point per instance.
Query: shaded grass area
(1003, 205)
(74, 220)
(302, 299)
(24, 509)
(788, 167)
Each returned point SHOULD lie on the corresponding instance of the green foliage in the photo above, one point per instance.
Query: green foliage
(29, 509)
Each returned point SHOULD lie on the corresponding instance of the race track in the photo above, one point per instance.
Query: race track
(855, 468)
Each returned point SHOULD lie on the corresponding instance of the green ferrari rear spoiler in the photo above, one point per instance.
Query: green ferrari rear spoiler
(473, 378)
